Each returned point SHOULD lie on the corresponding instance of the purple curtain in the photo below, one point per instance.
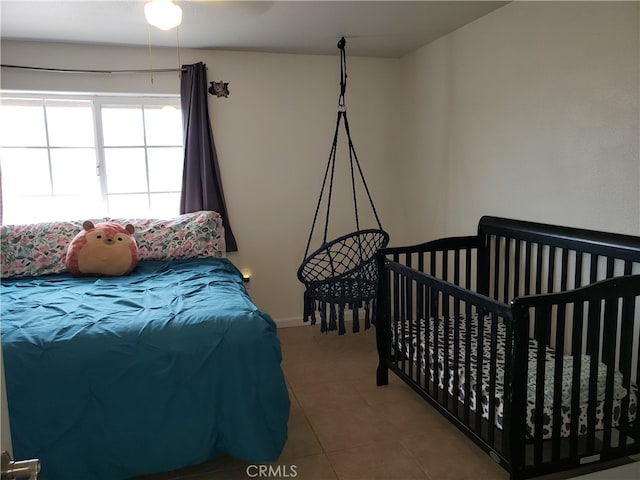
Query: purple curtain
(201, 182)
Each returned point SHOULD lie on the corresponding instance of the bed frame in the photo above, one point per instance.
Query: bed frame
(573, 291)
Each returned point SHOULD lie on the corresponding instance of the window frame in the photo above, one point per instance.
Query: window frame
(97, 102)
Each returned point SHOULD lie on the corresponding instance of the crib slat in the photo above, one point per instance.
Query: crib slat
(527, 269)
(610, 263)
(506, 258)
(626, 352)
(455, 393)
(446, 319)
(542, 336)
(396, 314)
(467, 362)
(552, 266)
(608, 357)
(479, 366)
(576, 350)
(577, 280)
(429, 322)
(593, 271)
(508, 355)
(565, 270)
(432, 264)
(636, 424)
(593, 331)
(557, 382)
(433, 331)
(492, 378)
(539, 254)
(496, 268)
(516, 272)
(420, 319)
(628, 266)
(410, 319)
(445, 266)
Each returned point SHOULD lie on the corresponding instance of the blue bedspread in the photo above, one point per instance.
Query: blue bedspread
(116, 377)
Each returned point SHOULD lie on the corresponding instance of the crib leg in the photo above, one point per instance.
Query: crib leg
(384, 350)
(382, 375)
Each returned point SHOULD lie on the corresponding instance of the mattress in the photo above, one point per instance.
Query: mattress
(407, 346)
(109, 378)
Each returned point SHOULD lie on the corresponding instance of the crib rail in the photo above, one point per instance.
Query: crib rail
(452, 259)
(525, 258)
(601, 325)
(424, 334)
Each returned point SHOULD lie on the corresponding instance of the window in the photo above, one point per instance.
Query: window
(89, 157)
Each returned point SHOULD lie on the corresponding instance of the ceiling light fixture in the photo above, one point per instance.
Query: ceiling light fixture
(163, 14)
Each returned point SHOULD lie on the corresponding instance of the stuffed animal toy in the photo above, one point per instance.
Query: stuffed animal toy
(103, 249)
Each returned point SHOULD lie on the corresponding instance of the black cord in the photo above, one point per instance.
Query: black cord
(343, 71)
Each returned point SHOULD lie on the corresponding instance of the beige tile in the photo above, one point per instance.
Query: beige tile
(413, 415)
(446, 454)
(301, 440)
(350, 426)
(296, 336)
(308, 373)
(328, 395)
(394, 392)
(383, 461)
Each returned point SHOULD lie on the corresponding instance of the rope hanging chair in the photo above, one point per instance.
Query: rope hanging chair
(342, 273)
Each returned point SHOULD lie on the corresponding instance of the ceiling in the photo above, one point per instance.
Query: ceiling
(372, 28)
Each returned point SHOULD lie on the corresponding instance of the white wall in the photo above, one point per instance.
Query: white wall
(530, 112)
(273, 135)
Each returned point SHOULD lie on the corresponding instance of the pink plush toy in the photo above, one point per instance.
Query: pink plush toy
(103, 249)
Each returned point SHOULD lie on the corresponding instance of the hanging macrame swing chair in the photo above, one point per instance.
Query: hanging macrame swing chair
(342, 273)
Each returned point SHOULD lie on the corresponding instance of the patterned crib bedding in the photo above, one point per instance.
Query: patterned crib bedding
(408, 344)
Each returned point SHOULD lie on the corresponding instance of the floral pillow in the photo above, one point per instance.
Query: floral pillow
(191, 235)
(37, 249)
(40, 249)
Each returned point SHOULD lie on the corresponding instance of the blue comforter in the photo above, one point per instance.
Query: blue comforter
(116, 377)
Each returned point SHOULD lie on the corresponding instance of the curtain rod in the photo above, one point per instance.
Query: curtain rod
(68, 70)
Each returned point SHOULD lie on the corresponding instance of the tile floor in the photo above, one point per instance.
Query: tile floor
(343, 427)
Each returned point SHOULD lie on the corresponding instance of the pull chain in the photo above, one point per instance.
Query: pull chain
(178, 51)
(150, 58)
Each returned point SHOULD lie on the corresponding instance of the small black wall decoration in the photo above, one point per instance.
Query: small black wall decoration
(219, 89)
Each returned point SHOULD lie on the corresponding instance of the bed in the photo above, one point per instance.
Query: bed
(117, 377)
(525, 336)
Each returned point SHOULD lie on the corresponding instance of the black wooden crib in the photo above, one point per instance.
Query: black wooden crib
(525, 336)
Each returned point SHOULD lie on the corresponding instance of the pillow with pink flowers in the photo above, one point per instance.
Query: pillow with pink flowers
(36, 249)
(191, 235)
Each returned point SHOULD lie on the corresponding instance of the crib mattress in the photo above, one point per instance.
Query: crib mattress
(408, 345)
